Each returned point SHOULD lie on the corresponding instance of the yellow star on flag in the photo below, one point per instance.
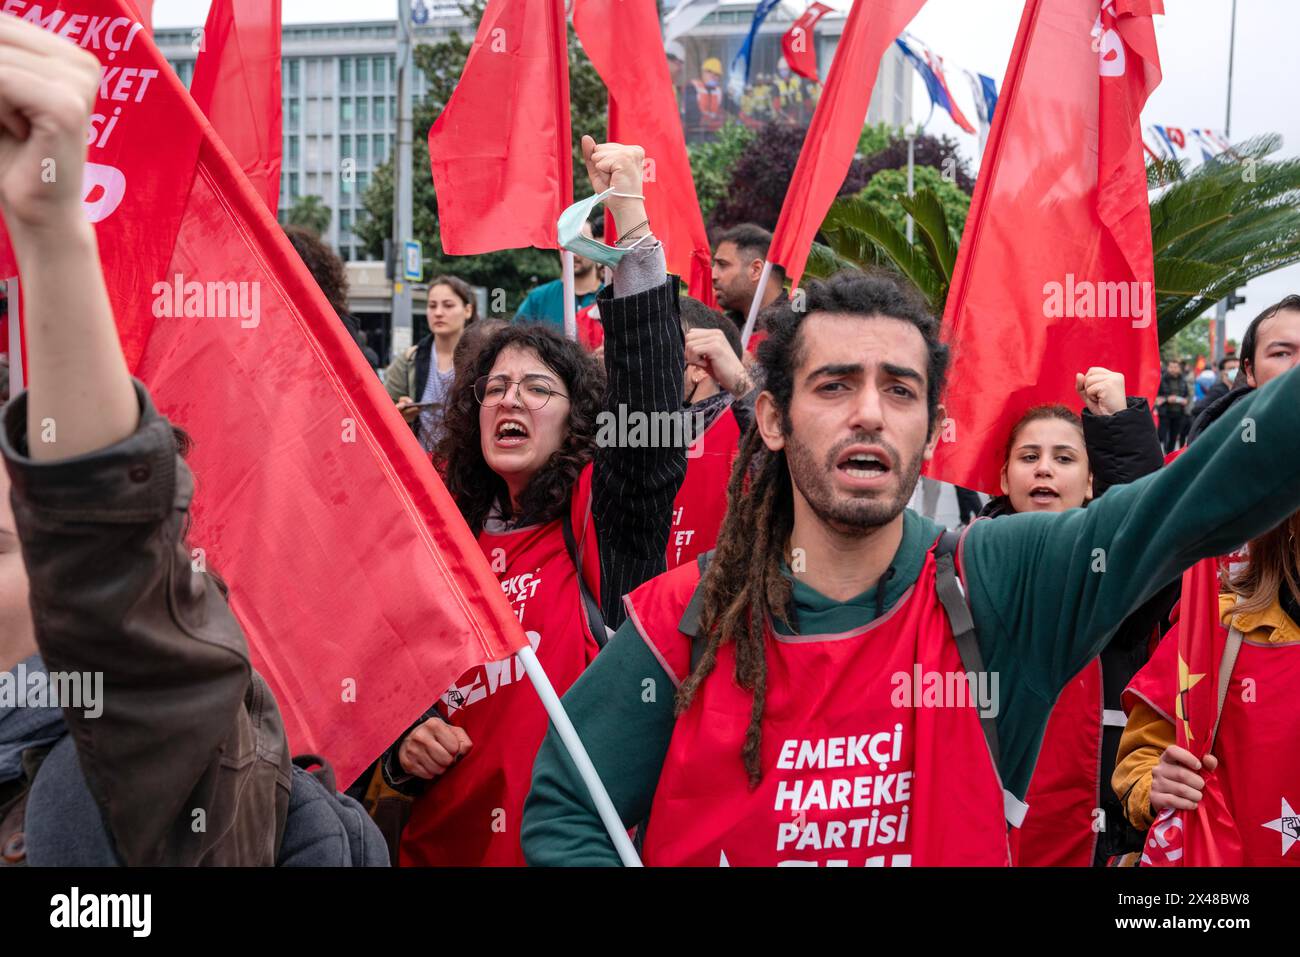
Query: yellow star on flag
(1186, 682)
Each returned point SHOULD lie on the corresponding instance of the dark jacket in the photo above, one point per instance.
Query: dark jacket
(1209, 412)
(1173, 385)
(1121, 448)
(187, 763)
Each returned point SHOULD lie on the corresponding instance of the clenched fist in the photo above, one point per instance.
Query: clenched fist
(432, 748)
(620, 167)
(48, 87)
(1101, 390)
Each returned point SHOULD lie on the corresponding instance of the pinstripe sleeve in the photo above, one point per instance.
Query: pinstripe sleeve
(633, 488)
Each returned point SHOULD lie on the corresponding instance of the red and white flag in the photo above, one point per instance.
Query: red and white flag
(237, 86)
(361, 590)
(800, 46)
(832, 137)
(623, 42)
(501, 150)
(1054, 273)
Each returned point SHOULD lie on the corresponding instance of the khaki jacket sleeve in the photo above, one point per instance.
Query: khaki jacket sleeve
(397, 378)
(184, 749)
(1145, 738)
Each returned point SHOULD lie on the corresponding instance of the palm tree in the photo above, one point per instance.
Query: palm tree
(1230, 220)
(310, 212)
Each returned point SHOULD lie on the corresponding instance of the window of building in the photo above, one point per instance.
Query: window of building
(292, 150)
(379, 111)
(345, 113)
(345, 146)
(314, 110)
(378, 69)
(363, 181)
(293, 186)
(363, 112)
(294, 114)
(379, 147)
(363, 74)
(292, 69)
(345, 73)
(363, 151)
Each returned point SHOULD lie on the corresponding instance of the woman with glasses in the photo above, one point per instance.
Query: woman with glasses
(568, 525)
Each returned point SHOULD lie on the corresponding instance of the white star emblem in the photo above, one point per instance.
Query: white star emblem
(1288, 825)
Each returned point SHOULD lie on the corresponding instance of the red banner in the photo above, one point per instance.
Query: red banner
(361, 590)
(800, 46)
(625, 46)
(501, 151)
(1054, 273)
(832, 139)
(237, 86)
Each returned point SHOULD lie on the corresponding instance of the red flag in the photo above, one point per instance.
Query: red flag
(799, 45)
(501, 151)
(1206, 837)
(625, 46)
(832, 138)
(1054, 273)
(361, 590)
(143, 10)
(237, 85)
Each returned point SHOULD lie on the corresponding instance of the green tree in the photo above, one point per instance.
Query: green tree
(1214, 229)
(310, 212)
(884, 188)
(712, 163)
(877, 137)
(514, 270)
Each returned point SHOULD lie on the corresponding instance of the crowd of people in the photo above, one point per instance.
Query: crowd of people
(769, 658)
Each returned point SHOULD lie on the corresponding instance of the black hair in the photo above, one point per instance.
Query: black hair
(696, 315)
(752, 242)
(1250, 340)
(876, 292)
(470, 480)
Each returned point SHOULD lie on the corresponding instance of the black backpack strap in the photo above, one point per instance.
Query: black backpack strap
(690, 623)
(595, 620)
(957, 608)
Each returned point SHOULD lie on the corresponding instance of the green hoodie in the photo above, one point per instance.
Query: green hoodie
(1047, 591)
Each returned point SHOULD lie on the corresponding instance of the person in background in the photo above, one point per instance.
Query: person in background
(719, 393)
(1055, 460)
(1173, 400)
(738, 257)
(710, 101)
(1222, 385)
(427, 369)
(546, 302)
(328, 271)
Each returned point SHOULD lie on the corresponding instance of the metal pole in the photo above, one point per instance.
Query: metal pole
(1221, 309)
(17, 375)
(911, 170)
(401, 317)
(755, 304)
(578, 754)
(570, 307)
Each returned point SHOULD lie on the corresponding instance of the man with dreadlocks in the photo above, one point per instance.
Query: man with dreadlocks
(816, 719)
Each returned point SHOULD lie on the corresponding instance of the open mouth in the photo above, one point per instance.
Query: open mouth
(510, 433)
(864, 464)
(1043, 495)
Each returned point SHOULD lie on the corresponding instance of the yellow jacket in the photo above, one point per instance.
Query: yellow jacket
(1147, 734)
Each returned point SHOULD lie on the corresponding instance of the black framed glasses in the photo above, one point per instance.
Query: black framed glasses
(534, 391)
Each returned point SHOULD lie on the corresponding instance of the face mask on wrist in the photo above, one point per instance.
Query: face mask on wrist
(569, 229)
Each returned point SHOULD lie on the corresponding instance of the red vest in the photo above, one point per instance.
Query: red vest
(470, 816)
(701, 502)
(1255, 744)
(853, 773)
(1064, 791)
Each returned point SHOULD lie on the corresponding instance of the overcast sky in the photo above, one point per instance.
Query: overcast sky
(978, 35)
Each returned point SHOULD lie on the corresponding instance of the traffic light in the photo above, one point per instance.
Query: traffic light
(1234, 300)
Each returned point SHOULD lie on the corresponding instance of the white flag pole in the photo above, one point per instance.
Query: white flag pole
(573, 744)
(570, 309)
(16, 376)
(755, 304)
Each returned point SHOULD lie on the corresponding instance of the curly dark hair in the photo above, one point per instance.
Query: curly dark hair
(474, 485)
(743, 585)
(323, 264)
